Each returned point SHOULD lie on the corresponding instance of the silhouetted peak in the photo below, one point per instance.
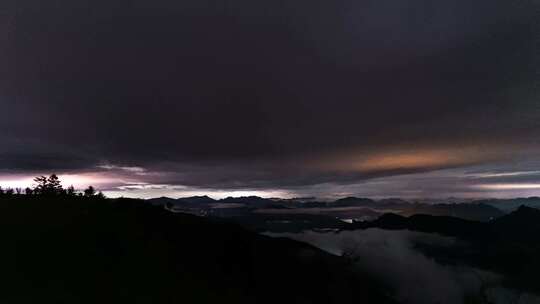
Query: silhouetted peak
(197, 199)
(353, 201)
(161, 200)
(525, 210)
(509, 205)
(390, 221)
(522, 224)
(522, 217)
(243, 199)
(391, 217)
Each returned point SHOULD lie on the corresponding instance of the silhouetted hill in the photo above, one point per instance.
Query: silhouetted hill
(196, 200)
(128, 251)
(509, 245)
(353, 202)
(445, 225)
(509, 205)
(522, 224)
(193, 201)
(161, 201)
(386, 221)
(467, 211)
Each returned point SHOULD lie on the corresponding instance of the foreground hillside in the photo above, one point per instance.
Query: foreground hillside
(81, 250)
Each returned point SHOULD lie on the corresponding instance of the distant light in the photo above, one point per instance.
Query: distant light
(79, 181)
(501, 174)
(508, 186)
(16, 181)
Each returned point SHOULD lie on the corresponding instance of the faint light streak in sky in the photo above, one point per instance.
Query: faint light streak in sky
(501, 174)
(508, 186)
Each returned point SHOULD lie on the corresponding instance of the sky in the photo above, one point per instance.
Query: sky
(378, 98)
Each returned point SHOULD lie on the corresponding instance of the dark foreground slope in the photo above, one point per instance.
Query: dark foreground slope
(126, 251)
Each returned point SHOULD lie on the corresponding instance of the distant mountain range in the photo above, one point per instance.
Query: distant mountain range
(498, 235)
(188, 201)
(509, 205)
(349, 208)
(523, 224)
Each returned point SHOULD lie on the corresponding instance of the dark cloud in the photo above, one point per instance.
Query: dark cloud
(243, 93)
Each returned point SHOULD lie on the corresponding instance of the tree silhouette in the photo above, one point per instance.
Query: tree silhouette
(54, 184)
(100, 195)
(28, 191)
(41, 187)
(48, 186)
(70, 191)
(90, 191)
(51, 187)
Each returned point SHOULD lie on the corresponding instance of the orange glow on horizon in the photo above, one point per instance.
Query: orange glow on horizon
(408, 161)
(396, 158)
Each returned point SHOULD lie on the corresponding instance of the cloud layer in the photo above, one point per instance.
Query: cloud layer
(272, 94)
(392, 258)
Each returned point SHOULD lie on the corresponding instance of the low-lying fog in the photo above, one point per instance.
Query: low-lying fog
(391, 258)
